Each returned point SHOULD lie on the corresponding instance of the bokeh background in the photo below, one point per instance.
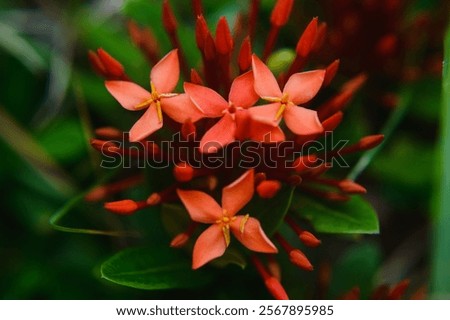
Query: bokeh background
(51, 100)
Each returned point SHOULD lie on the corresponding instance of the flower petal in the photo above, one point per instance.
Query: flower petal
(237, 194)
(302, 121)
(265, 83)
(201, 206)
(266, 113)
(303, 86)
(249, 232)
(166, 72)
(206, 99)
(209, 245)
(180, 108)
(146, 125)
(266, 133)
(221, 134)
(242, 92)
(127, 93)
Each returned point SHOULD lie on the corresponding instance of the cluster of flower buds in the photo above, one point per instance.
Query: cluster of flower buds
(405, 48)
(233, 106)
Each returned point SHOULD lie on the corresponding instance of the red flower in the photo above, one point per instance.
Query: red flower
(213, 242)
(163, 80)
(299, 89)
(234, 118)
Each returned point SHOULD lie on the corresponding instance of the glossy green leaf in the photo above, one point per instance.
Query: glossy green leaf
(152, 268)
(353, 216)
(231, 256)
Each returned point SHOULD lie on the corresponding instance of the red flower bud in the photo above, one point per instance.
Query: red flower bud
(349, 186)
(268, 189)
(123, 207)
(112, 66)
(300, 260)
(330, 72)
(309, 239)
(179, 240)
(224, 39)
(183, 172)
(245, 55)
(110, 133)
(201, 31)
(306, 41)
(281, 12)
(276, 289)
(168, 18)
(305, 162)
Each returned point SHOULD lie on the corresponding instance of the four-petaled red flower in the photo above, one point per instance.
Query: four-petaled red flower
(299, 89)
(213, 242)
(234, 123)
(163, 80)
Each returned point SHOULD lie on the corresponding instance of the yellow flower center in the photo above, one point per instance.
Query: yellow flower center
(155, 98)
(225, 221)
(284, 102)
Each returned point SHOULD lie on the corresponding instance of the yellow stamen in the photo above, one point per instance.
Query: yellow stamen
(144, 104)
(280, 111)
(226, 219)
(168, 95)
(226, 234)
(152, 86)
(158, 109)
(272, 99)
(243, 222)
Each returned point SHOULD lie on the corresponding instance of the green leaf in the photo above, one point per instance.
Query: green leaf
(20, 48)
(64, 140)
(25, 146)
(271, 212)
(231, 256)
(353, 216)
(356, 267)
(441, 254)
(152, 268)
(391, 124)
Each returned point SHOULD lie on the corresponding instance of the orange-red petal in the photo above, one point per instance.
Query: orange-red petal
(146, 125)
(210, 102)
(265, 83)
(209, 245)
(242, 93)
(237, 194)
(180, 108)
(251, 235)
(221, 134)
(302, 121)
(166, 72)
(302, 87)
(201, 206)
(127, 93)
(266, 133)
(266, 113)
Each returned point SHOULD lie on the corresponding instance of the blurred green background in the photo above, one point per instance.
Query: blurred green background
(50, 102)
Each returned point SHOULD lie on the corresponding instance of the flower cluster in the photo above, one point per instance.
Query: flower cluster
(260, 108)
